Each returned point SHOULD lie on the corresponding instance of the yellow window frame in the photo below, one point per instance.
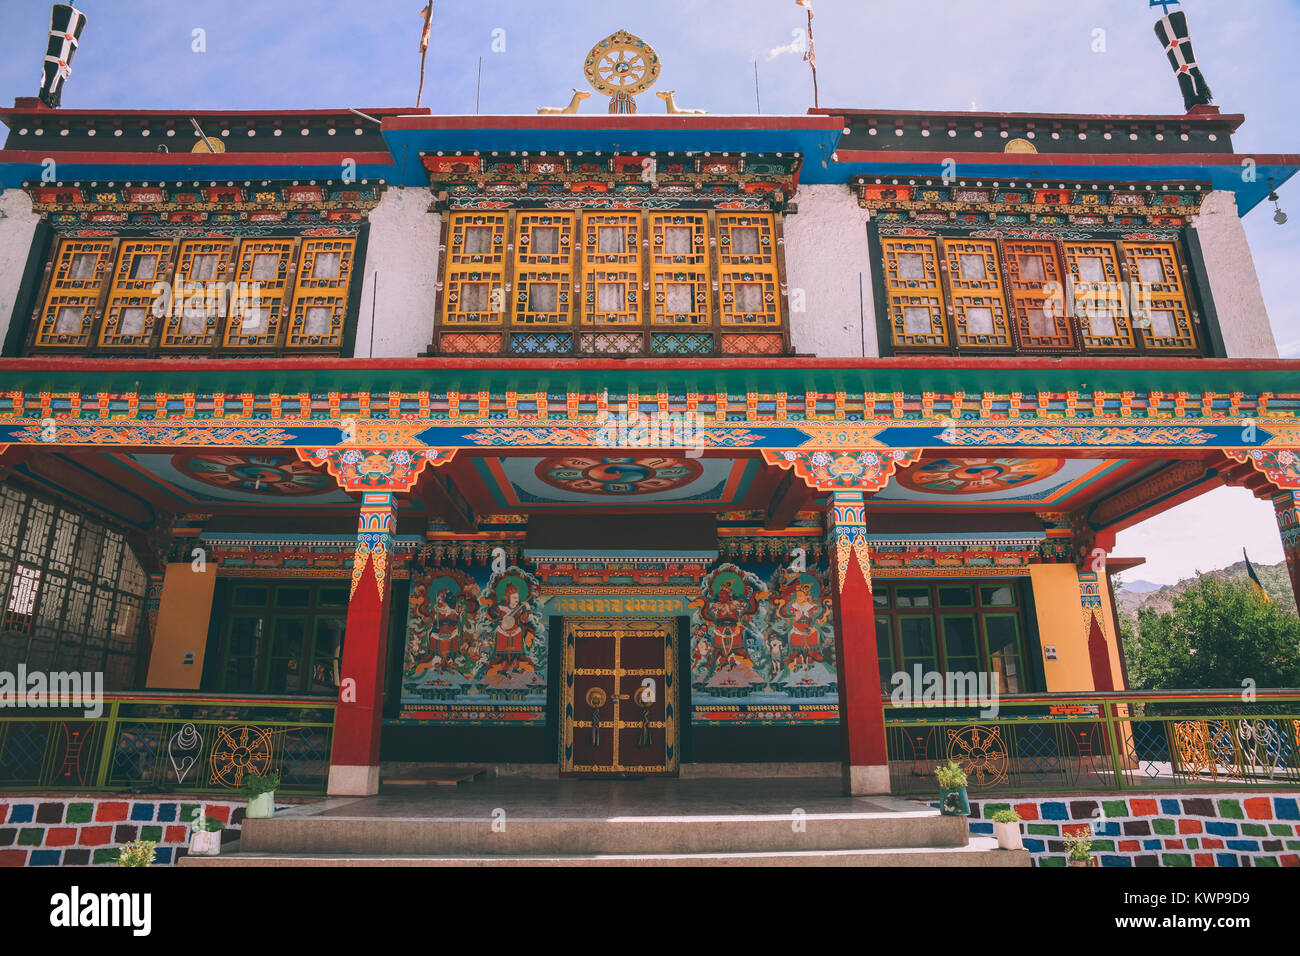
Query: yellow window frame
(672, 268)
(1167, 297)
(66, 292)
(543, 269)
(740, 269)
(1029, 294)
(244, 328)
(313, 291)
(465, 268)
(620, 268)
(206, 297)
(973, 296)
(128, 292)
(1099, 304)
(919, 293)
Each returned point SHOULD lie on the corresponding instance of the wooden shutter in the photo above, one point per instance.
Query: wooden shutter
(1037, 290)
(915, 293)
(679, 268)
(609, 276)
(747, 276)
(80, 273)
(977, 294)
(1160, 306)
(258, 298)
(129, 318)
(202, 268)
(320, 296)
(1093, 269)
(476, 269)
(543, 269)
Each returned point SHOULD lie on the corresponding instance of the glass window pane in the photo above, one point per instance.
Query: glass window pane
(1162, 323)
(998, 595)
(679, 298)
(611, 297)
(266, 265)
(68, 320)
(82, 267)
(474, 297)
(916, 320)
(1151, 270)
(292, 597)
(131, 320)
(677, 240)
(979, 320)
(204, 267)
(1003, 633)
(251, 595)
(961, 644)
(749, 297)
(1091, 269)
(913, 597)
(143, 266)
(612, 240)
(972, 266)
(543, 296)
(318, 320)
(478, 240)
(744, 241)
(326, 265)
(333, 597)
(1040, 323)
(911, 265)
(885, 652)
(1032, 269)
(545, 240)
(916, 637)
(956, 595)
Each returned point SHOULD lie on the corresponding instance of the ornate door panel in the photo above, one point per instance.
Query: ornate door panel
(620, 698)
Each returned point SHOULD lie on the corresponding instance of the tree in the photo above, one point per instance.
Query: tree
(1219, 634)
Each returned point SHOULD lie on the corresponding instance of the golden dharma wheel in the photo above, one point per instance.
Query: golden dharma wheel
(622, 65)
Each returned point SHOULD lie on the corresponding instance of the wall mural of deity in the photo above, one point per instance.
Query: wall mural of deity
(763, 647)
(475, 648)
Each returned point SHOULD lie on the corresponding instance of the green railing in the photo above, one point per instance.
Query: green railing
(1106, 741)
(169, 742)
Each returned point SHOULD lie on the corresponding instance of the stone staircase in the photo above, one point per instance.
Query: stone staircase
(427, 831)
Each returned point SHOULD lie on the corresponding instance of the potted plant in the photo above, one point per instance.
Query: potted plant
(136, 853)
(205, 838)
(1078, 847)
(1006, 826)
(260, 792)
(953, 801)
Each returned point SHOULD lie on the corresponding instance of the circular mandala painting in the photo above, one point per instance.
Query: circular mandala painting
(976, 476)
(276, 476)
(617, 477)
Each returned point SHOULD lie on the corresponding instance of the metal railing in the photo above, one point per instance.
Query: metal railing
(1105, 741)
(169, 742)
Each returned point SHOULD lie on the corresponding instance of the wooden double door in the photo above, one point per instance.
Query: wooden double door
(620, 712)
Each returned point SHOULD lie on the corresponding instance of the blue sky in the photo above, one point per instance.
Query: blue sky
(1006, 55)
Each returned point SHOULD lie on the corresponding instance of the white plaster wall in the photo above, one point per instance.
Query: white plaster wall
(17, 227)
(1234, 283)
(826, 258)
(403, 252)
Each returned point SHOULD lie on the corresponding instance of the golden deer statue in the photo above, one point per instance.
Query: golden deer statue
(578, 97)
(668, 97)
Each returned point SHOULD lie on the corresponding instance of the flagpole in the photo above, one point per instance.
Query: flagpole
(810, 57)
(427, 14)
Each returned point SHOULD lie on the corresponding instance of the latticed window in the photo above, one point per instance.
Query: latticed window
(73, 591)
(157, 296)
(964, 293)
(679, 282)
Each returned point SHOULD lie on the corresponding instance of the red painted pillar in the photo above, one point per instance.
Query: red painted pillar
(1287, 506)
(862, 713)
(354, 761)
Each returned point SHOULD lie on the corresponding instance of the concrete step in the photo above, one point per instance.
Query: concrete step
(302, 832)
(981, 851)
